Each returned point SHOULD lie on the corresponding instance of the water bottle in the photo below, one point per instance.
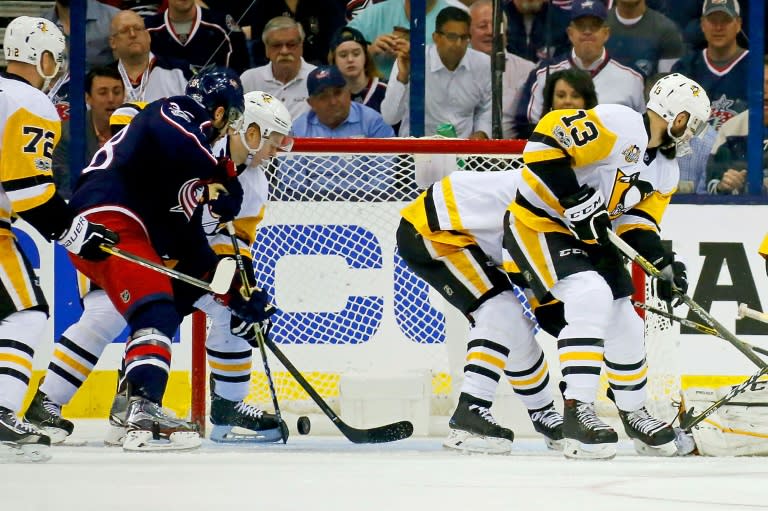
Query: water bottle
(448, 130)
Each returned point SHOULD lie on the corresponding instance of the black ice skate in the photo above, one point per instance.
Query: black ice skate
(651, 436)
(239, 422)
(473, 428)
(46, 415)
(149, 428)
(586, 436)
(20, 440)
(549, 423)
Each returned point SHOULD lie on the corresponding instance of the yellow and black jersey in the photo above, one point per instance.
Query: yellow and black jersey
(604, 148)
(29, 131)
(465, 208)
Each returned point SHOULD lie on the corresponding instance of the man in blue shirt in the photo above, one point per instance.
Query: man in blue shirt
(333, 114)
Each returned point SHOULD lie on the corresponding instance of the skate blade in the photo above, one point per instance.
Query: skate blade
(467, 442)
(664, 450)
(115, 436)
(142, 441)
(23, 453)
(554, 445)
(238, 435)
(57, 435)
(573, 449)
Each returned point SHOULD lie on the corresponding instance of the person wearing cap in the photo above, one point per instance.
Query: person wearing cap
(349, 53)
(614, 82)
(332, 112)
(458, 79)
(720, 67)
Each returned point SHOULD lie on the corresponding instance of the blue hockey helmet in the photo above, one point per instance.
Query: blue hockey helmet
(215, 87)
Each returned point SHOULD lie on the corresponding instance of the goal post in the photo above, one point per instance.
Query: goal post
(372, 338)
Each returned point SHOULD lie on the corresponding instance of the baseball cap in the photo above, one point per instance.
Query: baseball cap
(323, 77)
(730, 7)
(345, 34)
(582, 8)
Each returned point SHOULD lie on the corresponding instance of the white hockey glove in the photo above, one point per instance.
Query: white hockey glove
(586, 215)
(84, 238)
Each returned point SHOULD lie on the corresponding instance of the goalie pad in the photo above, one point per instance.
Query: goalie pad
(738, 428)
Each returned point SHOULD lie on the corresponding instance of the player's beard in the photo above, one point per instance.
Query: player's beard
(668, 146)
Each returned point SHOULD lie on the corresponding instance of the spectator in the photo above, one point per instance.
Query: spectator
(197, 36)
(349, 53)
(285, 77)
(536, 29)
(643, 38)
(516, 69)
(97, 19)
(720, 67)
(569, 88)
(333, 114)
(319, 20)
(727, 167)
(145, 76)
(378, 23)
(614, 82)
(104, 92)
(457, 79)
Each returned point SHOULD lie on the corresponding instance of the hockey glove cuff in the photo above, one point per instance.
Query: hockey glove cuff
(586, 215)
(83, 238)
(672, 272)
(224, 199)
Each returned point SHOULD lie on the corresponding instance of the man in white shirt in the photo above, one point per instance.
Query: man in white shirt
(285, 77)
(458, 82)
(516, 69)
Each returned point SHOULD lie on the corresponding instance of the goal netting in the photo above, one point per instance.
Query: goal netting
(370, 336)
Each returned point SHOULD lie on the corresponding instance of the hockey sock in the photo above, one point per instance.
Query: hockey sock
(20, 334)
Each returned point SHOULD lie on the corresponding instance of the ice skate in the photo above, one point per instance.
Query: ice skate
(473, 429)
(549, 423)
(651, 436)
(240, 422)
(116, 430)
(21, 441)
(585, 435)
(149, 428)
(46, 416)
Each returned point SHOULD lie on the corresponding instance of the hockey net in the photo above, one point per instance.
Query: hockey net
(353, 319)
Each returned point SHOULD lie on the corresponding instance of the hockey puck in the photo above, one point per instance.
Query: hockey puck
(303, 425)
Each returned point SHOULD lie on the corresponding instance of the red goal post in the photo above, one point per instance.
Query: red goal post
(353, 319)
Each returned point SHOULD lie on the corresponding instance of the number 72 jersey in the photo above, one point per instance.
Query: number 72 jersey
(29, 131)
(604, 148)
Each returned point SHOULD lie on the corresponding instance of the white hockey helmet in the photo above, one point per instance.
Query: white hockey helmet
(674, 94)
(27, 39)
(273, 119)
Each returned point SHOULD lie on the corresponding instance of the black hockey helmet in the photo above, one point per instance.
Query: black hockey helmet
(217, 86)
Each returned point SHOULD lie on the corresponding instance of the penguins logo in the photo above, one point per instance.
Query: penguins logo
(628, 190)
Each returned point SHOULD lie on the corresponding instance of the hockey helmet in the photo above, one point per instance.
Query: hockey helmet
(28, 38)
(674, 94)
(217, 87)
(272, 117)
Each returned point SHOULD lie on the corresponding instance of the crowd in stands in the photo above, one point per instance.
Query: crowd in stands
(342, 67)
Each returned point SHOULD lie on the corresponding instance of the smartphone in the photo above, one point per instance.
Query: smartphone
(401, 32)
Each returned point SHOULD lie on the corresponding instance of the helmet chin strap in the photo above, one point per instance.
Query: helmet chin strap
(251, 151)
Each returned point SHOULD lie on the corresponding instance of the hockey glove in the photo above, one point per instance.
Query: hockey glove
(83, 238)
(672, 272)
(586, 215)
(249, 313)
(225, 199)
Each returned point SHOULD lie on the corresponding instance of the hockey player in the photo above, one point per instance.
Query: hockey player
(146, 183)
(264, 128)
(34, 49)
(451, 236)
(583, 171)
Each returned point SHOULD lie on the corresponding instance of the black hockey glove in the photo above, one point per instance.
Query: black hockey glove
(83, 238)
(586, 215)
(672, 272)
(224, 199)
(249, 313)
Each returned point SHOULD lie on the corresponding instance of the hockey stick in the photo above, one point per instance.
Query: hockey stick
(651, 270)
(219, 284)
(704, 329)
(259, 335)
(377, 435)
(745, 312)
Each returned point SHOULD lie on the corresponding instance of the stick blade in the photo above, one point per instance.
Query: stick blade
(222, 277)
(378, 435)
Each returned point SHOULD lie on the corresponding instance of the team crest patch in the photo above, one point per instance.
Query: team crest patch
(125, 295)
(178, 112)
(631, 154)
(562, 137)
